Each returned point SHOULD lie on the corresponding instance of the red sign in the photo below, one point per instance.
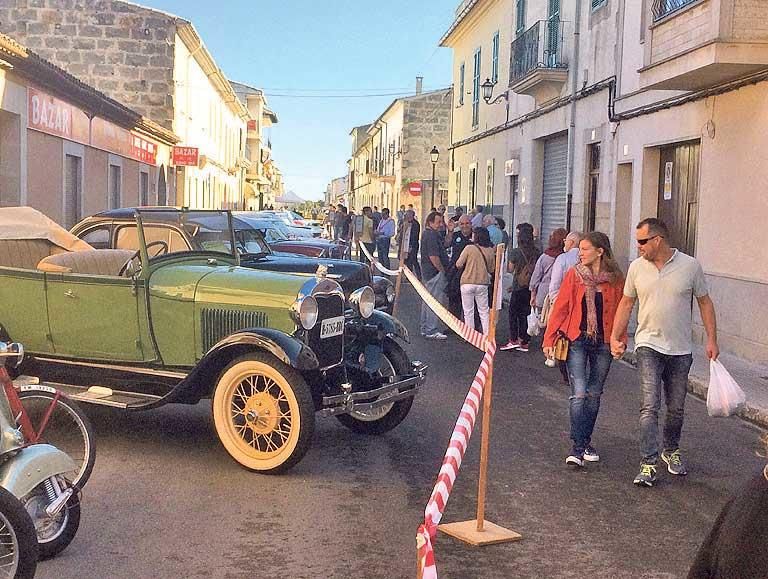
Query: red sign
(186, 156)
(56, 117)
(110, 137)
(414, 188)
(252, 125)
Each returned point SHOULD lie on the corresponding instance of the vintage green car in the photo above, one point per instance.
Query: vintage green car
(136, 330)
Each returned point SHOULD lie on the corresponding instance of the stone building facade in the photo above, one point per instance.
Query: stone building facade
(149, 60)
(70, 151)
(394, 152)
(120, 49)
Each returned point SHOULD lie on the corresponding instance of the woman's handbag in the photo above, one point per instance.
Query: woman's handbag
(561, 347)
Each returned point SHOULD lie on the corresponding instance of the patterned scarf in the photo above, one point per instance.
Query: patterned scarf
(591, 281)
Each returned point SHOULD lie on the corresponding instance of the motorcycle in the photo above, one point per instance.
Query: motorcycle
(35, 475)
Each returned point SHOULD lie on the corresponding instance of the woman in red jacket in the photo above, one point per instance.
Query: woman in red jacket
(583, 313)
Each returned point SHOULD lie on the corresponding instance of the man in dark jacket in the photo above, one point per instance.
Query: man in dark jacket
(408, 242)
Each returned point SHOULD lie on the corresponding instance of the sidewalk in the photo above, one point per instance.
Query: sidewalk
(751, 376)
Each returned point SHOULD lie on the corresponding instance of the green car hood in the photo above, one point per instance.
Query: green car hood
(194, 305)
(240, 286)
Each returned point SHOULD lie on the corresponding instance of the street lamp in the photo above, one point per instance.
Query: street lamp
(434, 155)
(487, 88)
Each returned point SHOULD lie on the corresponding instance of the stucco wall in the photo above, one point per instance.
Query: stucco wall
(44, 179)
(732, 208)
(95, 184)
(123, 50)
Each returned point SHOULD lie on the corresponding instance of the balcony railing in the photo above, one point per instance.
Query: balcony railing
(662, 8)
(541, 46)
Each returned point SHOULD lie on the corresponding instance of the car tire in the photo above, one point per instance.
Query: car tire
(383, 420)
(263, 413)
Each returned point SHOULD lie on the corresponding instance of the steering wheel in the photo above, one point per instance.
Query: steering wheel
(162, 251)
(163, 248)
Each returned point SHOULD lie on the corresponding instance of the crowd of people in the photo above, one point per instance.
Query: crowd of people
(582, 301)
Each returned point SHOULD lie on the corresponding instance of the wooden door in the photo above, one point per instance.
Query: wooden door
(679, 193)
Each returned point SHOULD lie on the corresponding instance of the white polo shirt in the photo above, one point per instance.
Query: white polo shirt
(665, 317)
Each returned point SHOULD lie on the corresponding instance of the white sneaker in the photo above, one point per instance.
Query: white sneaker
(436, 336)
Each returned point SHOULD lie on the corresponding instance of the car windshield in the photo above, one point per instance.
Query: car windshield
(271, 231)
(250, 240)
(207, 230)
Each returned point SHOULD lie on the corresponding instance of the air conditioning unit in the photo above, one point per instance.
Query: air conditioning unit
(511, 167)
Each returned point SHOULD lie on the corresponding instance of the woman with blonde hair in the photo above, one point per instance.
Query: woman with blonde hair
(583, 314)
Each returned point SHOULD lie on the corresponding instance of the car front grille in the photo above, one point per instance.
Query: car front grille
(217, 324)
(329, 351)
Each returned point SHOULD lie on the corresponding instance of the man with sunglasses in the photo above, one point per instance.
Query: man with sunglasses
(664, 281)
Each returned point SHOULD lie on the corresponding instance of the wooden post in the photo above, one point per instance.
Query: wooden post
(398, 282)
(480, 531)
(482, 482)
(419, 566)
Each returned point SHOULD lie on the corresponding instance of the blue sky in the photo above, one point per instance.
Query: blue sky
(327, 46)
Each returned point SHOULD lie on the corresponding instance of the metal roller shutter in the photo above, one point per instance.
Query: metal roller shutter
(554, 201)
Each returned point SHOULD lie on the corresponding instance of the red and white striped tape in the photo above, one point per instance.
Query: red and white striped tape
(471, 335)
(376, 262)
(449, 470)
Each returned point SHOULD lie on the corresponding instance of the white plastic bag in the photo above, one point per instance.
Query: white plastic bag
(533, 323)
(724, 395)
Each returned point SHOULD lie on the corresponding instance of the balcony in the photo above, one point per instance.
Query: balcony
(537, 65)
(697, 44)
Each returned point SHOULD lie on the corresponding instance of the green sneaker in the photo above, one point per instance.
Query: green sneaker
(675, 464)
(647, 475)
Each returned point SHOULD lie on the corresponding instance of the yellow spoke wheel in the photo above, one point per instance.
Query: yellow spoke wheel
(263, 413)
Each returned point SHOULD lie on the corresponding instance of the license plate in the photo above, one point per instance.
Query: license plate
(332, 327)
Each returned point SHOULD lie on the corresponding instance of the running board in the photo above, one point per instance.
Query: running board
(98, 395)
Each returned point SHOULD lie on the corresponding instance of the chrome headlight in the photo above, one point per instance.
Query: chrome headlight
(363, 301)
(390, 294)
(304, 312)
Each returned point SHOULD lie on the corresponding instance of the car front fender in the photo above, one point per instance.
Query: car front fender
(200, 382)
(390, 325)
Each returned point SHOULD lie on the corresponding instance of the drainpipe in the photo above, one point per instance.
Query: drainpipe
(572, 124)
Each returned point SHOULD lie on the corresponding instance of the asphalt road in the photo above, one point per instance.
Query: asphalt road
(165, 501)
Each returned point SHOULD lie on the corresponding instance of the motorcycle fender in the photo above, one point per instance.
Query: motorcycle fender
(32, 465)
(390, 325)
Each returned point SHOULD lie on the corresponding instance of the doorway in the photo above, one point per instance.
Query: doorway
(679, 193)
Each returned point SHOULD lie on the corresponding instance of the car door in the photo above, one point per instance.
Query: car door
(94, 317)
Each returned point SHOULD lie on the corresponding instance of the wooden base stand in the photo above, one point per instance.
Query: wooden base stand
(491, 534)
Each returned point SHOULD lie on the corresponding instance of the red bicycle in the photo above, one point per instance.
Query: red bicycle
(45, 415)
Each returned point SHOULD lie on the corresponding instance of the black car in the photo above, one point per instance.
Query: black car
(100, 232)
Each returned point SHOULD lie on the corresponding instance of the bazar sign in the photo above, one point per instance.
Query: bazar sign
(186, 156)
(56, 117)
(110, 137)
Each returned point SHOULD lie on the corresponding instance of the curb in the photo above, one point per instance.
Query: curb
(699, 386)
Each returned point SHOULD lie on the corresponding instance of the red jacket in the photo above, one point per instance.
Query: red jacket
(566, 313)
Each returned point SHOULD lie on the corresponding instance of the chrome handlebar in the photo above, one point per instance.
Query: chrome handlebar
(11, 350)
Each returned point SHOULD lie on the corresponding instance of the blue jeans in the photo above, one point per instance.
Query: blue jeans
(671, 372)
(430, 323)
(588, 364)
(382, 249)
